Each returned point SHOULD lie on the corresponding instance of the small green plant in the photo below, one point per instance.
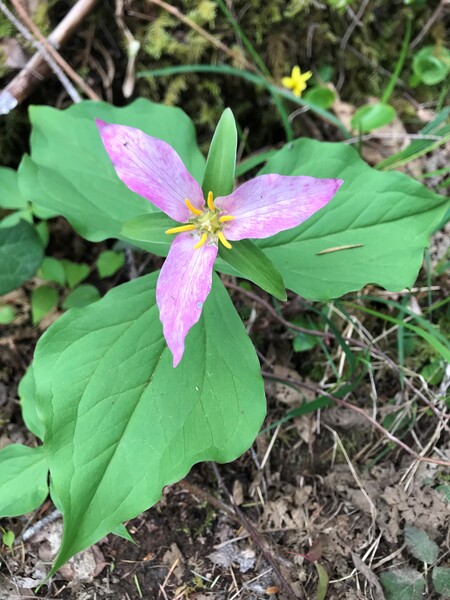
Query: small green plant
(408, 584)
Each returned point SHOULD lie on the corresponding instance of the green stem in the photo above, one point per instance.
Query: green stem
(252, 78)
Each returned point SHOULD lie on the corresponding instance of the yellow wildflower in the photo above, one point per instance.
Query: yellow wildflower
(296, 82)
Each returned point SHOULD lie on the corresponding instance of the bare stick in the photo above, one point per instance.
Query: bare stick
(37, 69)
(26, 34)
(254, 534)
(53, 52)
(211, 39)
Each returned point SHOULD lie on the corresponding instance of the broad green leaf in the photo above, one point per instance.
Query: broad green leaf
(441, 581)
(150, 227)
(109, 262)
(420, 545)
(320, 96)
(221, 161)
(373, 231)
(372, 116)
(28, 403)
(432, 64)
(52, 269)
(70, 173)
(81, 296)
(10, 195)
(250, 262)
(7, 315)
(21, 254)
(403, 584)
(42, 230)
(43, 300)
(23, 479)
(75, 272)
(121, 422)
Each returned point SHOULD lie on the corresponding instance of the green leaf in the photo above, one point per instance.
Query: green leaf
(28, 403)
(70, 173)
(250, 262)
(75, 272)
(420, 545)
(372, 116)
(322, 586)
(432, 64)
(320, 96)
(42, 231)
(21, 254)
(303, 342)
(15, 217)
(151, 228)
(8, 538)
(373, 231)
(445, 491)
(7, 315)
(52, 270)
(81, 296)
(121, 422)
(109, 262)
(10, 197)
(23, 479)
(441, 581)
(403, 584)
(221, 161)
(123, 532)
(43, 300)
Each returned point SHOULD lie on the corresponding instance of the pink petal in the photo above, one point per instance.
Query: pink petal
(269, 204)
(183, 286)
(152, 169)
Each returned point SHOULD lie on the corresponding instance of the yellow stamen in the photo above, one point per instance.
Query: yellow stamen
(181, 228)
(192, 208)
(210, 201)
(226, 218)
(201, 242)
(224, 240)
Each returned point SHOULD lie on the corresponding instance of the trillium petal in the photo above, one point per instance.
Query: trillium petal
(183, 286)
(152, 169)
(269, 204)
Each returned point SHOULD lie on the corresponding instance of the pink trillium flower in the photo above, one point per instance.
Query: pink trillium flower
(258, 208)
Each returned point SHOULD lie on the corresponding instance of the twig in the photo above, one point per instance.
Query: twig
(53, 52)
(37, 68)
(360, 411)
(50, 60)
(344, 41)
(211, 39)
(255, 536)
(416, 41)
(370, 347)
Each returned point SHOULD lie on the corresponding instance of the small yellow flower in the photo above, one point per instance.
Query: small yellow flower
(296, 82)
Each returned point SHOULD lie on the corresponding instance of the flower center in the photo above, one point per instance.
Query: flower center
(207, 223)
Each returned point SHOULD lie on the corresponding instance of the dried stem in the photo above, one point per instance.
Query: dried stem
(211, 39)
(254, 534)
(38, 68)
(360, 411)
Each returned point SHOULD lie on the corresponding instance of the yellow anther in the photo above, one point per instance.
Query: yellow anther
(181, 228)
(224, 240)
(210, 201)
(226, 218)
(192, 208)
(201, 242)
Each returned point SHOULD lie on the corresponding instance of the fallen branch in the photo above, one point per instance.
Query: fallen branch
(47, 59)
